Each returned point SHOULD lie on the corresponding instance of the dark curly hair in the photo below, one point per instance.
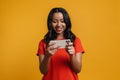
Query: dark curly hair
(51, 34)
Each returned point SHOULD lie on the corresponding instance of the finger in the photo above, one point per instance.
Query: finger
(71, 51)
(51, 43)
(70, 44)
(53, 51)
(56, 46)
(52, 47)
(70, 47)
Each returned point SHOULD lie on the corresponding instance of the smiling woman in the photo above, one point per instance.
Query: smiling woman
(23, 24)
(60, 63)
(58, 23)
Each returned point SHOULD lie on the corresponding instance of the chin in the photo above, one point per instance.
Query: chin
(59, 32)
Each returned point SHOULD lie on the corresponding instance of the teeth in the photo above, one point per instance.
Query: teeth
(58, 29)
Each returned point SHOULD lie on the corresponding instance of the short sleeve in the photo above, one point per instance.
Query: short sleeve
(41, 47)
(78, 45)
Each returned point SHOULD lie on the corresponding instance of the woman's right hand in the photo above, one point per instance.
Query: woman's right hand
(51, 48)
(45, 59)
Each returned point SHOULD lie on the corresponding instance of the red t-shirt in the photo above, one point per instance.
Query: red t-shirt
(59, 68)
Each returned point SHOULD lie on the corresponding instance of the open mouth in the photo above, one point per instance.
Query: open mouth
(58, 29)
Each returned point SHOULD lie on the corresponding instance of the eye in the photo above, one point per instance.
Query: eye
(62, 21)
(54, 21)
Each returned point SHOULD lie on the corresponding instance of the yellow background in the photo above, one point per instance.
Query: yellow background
(23, 25)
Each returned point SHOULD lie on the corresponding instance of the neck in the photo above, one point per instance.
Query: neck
(60, 36)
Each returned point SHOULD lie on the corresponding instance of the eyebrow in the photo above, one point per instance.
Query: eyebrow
(58, 20)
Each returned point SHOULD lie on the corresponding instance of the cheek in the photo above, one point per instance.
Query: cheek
(64, 26)
(53, 25)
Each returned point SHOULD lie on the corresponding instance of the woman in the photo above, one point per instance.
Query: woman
(60, 63)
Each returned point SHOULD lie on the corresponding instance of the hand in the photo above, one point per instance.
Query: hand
(70, 48)
(51, 48)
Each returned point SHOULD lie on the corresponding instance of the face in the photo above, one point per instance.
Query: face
(58, 23)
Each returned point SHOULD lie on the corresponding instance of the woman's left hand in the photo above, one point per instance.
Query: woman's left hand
(70, 48)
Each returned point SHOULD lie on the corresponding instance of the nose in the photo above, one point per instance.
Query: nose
(58, 23)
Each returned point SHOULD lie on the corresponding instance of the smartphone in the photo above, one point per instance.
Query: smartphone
(61, 43)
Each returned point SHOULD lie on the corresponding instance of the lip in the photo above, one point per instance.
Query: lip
(58, 30)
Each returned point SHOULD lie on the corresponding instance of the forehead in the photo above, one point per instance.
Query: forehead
(58, 15)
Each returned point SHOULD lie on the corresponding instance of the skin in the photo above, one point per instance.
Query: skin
(59, 26)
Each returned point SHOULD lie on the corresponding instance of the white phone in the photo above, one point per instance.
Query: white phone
(61, 43)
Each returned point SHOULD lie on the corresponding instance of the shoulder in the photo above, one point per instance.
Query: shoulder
(78, 45)
(77, 39)
(41, 47)
(42, 42)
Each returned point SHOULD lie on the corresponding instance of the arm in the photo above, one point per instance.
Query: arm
(44, 59)
(75, 60)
